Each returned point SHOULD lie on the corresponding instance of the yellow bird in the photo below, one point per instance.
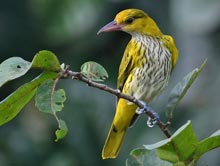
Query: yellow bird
(144, 71)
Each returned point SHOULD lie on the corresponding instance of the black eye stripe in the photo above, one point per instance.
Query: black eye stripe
(131, 19)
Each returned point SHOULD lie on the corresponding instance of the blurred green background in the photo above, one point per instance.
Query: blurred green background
(68, 28)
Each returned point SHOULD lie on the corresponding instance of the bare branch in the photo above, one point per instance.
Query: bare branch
(78, 76)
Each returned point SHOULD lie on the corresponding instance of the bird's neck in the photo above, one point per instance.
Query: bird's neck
(137, 36)
(145, 39)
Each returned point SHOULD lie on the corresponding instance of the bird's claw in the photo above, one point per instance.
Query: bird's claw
(150, 122)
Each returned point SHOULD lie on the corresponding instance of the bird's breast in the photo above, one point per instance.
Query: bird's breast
(151, 71)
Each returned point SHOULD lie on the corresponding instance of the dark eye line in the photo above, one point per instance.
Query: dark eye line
(131, 19)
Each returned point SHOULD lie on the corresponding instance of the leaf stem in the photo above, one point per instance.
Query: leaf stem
(51, 99)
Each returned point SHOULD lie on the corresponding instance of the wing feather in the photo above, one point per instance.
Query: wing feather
(172, 47)
(125, 67)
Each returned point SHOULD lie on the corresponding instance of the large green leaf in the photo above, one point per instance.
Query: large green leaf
(12, 105)
(13, 68)
(46, 60)
(144, 157)
(206, 145)
(180, 90)
(183, 147)
(179, 147)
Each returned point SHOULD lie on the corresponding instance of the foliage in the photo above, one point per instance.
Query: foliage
(15, 67)
(50, 101)
(11, 106)
(180, 90)
(183, 148)
(47, 99)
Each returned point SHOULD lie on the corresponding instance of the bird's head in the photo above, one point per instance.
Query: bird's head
(132, 21)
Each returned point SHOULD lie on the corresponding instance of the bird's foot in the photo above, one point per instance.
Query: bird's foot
(147, 109)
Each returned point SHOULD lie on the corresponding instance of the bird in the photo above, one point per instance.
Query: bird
(144, 72)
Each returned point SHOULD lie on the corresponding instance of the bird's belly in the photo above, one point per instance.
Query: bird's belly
(146, 84)
(151, 72)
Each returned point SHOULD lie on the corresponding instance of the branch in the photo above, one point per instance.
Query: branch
(78, 76)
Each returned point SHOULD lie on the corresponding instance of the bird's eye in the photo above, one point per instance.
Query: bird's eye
(129, 20)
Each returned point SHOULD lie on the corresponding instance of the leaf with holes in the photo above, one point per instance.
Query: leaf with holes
(46, 60)
(93, 71)
(12, 105)
(47, 100)
(50, 101)
(13, 68)
(59, 98)
(180, 90)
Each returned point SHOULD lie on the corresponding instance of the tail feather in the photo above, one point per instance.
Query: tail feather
(123, 118)
(113, 143)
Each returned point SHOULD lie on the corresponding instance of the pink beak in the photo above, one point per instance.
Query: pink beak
(112, 26)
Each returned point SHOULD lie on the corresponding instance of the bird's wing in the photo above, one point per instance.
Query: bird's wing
(172, 47)
(125, 68)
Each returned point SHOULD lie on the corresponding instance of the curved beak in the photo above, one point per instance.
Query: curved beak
(112, 26)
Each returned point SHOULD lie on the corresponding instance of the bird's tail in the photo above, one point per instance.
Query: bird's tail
(123, 118)
(113, 143)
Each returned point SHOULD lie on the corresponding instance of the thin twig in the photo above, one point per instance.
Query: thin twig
(78, 76)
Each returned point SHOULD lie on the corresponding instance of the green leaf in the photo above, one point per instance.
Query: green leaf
(46, 60)
(179, 147)
(47, 100)
(12, 105)
(62, 131)
(180, 90)
(93, 71)
(50, 101)
(183, 148)
(13, 68)
(59, 98)
(207, 144)
(144, 157)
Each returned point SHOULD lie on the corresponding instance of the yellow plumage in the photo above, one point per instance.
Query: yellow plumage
(144, 71)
